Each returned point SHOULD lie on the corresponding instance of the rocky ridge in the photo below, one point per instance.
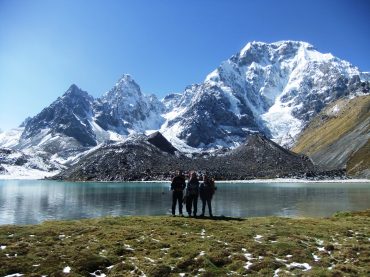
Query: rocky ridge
(272, 89)
(154, 158)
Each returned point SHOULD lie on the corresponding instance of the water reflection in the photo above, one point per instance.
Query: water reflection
(26, 202)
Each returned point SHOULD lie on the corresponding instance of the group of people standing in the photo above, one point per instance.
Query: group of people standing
(193, 189)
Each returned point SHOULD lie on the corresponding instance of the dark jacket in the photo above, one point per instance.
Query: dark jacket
(178, 183)
(193, 187)
(207, 189)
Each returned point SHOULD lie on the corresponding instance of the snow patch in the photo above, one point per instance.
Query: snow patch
(149, 259)
(280, 260)
(20, 172)
(11, 256)
(315, 257)
(10, 138)
(284, 127)
(258, 238)
(128, 247)
(67, 270)
(303, 266)
(98, 273)
(319, 242)
(202, 253)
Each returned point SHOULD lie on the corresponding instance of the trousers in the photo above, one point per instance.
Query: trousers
(177, 197)
(192, 204)
(208, 202)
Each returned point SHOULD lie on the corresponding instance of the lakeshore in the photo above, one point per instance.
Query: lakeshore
(175, 246)
(43, 176)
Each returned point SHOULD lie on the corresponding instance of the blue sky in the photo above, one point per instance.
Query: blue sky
(165, 45)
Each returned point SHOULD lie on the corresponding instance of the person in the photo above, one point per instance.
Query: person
(206, 190)
(192, 192)
(177, 186)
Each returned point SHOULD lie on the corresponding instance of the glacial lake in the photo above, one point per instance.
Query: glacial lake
(34, 201)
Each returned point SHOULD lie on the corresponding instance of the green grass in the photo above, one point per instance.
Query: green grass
(167, 246)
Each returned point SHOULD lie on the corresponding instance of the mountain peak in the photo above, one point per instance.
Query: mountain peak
(73, 87)
(158, 140)
(125, 78)
(292, 42)
(275, 88)
(74, 91)
(252, 46)
(126, 85)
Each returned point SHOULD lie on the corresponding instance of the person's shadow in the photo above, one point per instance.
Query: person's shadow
(221, 217)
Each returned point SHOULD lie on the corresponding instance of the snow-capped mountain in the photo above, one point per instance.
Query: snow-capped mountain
(88, 121)
(271, 88)
(125, 109)
(69, 115)
(76, 121)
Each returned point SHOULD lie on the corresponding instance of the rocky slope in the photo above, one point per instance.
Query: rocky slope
(25, 165)
(358, 164)
(76, 122)
(335, 135)
(88, 121)
(69, 115)
(153, 157)
(125, 109)
(273, 89)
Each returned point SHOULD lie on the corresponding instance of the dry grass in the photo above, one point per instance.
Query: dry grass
(328, 127)
(359, 161)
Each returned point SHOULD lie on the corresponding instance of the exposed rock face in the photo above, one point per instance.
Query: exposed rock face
(76, 122)
(69, 115)
(124, 108)
(336, 134)
(274, 89)
(2, 170)
(158, 140)
(139, 159)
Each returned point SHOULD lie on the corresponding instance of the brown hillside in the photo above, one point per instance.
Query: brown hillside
(335, 134)
(359, 162)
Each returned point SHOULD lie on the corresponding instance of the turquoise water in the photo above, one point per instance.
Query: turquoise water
(34, 201)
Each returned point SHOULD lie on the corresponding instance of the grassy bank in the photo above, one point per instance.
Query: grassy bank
(166, 246)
